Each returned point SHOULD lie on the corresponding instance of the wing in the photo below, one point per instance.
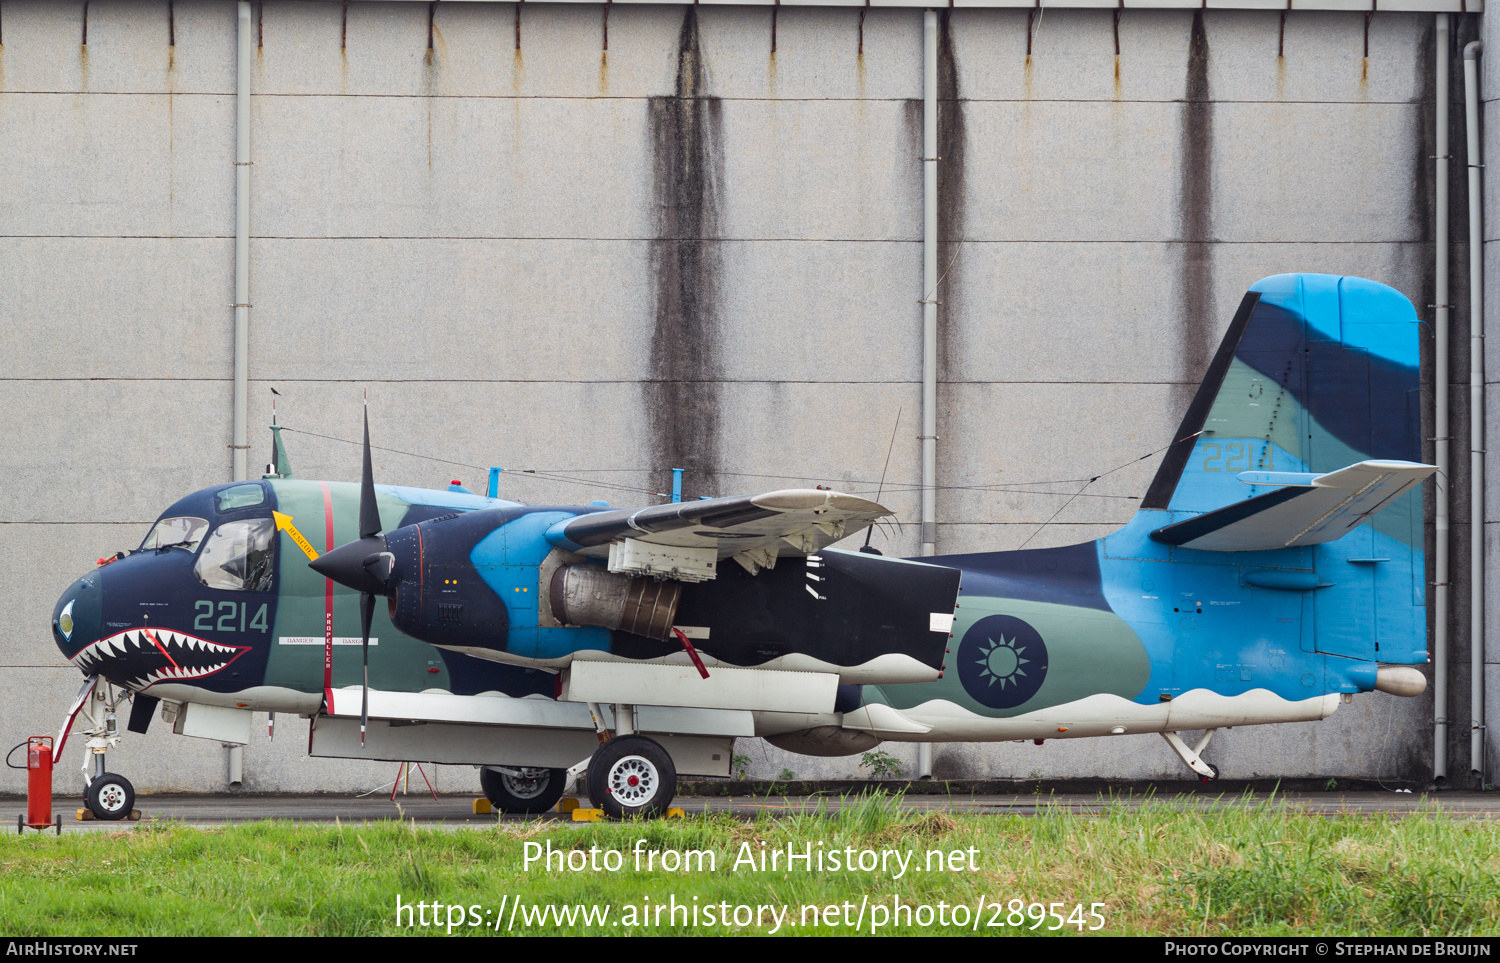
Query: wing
(1311, 509)
(686, 540)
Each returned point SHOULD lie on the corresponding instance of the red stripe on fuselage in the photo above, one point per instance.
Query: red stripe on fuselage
(421, 573)
(328, 592)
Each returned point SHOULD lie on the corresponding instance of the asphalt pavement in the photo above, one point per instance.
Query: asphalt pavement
(457, 811)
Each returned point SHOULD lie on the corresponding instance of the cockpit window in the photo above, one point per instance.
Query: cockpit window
(241, 496)
(182, 532)
(239, 556)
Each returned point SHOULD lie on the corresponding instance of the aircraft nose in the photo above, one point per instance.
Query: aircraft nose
(77, 619)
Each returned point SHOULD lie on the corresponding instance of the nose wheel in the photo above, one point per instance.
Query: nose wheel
(110, 796)
(632, 776)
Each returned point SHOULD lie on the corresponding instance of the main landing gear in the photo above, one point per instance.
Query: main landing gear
(522, 790)
(629, 774)
(632, 776)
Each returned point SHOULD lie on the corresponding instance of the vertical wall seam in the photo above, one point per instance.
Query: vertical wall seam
(241, 239)
(1195, 219)
(930, 179)
(683, 395)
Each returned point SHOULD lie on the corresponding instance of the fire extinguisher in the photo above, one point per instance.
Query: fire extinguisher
(38, 786)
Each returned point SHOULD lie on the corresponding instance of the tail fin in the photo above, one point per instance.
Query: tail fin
(1316, 373)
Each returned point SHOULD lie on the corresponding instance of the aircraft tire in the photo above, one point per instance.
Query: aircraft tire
(514, 795)
(110, 797)
(1214, 777)
(632, 776)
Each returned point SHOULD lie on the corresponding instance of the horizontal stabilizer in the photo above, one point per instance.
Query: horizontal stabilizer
(1309, 510)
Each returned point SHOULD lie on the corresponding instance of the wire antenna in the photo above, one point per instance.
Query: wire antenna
(870, 529)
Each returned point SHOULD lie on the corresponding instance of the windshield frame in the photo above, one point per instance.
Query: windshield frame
(190, 545)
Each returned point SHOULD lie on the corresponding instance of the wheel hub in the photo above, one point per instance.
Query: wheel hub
(112, 797)
(633, 781)
(527, 784)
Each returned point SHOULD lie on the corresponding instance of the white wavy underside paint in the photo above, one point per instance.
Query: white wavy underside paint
(1099, 715)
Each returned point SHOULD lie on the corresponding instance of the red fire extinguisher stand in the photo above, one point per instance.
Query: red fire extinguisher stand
(39, 787)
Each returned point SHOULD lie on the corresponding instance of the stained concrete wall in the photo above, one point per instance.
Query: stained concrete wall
(1489, 83)
(686, 251)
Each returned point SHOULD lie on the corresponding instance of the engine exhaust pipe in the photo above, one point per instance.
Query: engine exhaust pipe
(589, 595)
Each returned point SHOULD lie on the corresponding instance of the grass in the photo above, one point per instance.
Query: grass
(1256, 870)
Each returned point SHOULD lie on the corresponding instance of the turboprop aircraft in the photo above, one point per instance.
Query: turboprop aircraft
(1275, 569)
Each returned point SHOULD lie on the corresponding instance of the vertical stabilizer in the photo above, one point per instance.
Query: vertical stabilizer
(1315, 373)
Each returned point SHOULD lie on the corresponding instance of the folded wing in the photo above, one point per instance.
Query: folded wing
(754, 530)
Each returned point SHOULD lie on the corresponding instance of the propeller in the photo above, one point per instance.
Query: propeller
(364, 565)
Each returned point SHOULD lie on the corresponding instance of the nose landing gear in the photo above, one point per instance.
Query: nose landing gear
(107, 795)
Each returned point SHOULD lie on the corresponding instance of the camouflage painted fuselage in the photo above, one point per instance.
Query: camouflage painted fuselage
(1128, 633)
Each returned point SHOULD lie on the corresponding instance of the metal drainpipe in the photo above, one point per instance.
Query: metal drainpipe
(929, 279)
(245, 38)
(1440, 422)
(1476, 412)
(929, 309)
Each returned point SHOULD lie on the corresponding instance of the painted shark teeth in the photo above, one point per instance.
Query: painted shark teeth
(187, 656)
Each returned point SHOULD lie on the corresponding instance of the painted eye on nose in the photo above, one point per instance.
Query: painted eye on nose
(65, 622)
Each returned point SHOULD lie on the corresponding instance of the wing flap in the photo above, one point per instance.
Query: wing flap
(1322, 508)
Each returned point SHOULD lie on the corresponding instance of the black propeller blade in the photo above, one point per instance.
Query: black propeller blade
(369, 528)
(366, 614)
(369, 511)
(364, 565)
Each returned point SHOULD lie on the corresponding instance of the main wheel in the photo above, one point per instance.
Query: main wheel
(632, 776)
(531, 791)
(110, 797)
(1214, 777)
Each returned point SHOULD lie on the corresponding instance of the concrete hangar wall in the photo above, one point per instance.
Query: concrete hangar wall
(604, 241)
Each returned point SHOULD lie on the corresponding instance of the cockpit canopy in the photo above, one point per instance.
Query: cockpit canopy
(238, 552)
(239, 556)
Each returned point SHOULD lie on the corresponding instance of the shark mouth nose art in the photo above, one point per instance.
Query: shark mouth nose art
(148, 656)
